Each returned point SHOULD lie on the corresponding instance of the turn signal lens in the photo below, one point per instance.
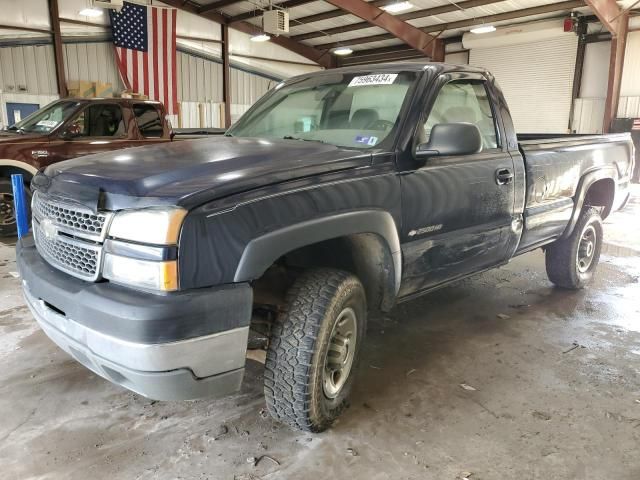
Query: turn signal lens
(161, 276)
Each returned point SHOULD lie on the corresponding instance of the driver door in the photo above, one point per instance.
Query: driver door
(457, 212)
(99, 127)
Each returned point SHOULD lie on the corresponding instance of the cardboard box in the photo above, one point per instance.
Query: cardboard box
(103, 89)
(81, 88)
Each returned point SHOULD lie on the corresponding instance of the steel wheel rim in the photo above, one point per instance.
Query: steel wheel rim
(340, 353)
(586, 249)
(7, 214)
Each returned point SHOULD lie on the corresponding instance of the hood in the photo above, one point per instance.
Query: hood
(191, 172)
(12, 137)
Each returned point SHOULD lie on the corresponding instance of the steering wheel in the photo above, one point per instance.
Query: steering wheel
(380, 124)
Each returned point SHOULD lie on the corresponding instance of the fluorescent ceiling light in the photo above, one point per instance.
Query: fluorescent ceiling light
(261, 37)
(397, 7)
(343, 51)
(484, 29)
(91, 12)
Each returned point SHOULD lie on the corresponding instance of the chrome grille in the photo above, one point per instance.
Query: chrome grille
(69, 236)
(79, 259)
(72, 218)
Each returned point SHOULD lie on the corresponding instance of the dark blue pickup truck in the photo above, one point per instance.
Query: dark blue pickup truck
(337, 194)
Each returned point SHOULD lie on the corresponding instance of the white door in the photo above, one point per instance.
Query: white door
(537, 80)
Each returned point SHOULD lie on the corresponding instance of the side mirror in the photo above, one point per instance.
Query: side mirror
(451, 139)
(72, 131)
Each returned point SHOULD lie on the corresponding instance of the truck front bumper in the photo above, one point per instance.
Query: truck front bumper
(187, 359)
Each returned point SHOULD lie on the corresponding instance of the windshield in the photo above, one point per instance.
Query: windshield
(348, 110)
(45, 120)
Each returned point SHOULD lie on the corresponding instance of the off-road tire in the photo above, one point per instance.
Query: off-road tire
(561, 257)
(11, 230)
(295, 363)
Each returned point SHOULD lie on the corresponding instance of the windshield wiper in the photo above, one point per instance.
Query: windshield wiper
(289, 137)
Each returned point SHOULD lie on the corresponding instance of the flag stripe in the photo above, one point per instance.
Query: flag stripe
(165, 58)
(174, 74)
(145, 69)
(158, 54)
(152, 59)
(134, 65)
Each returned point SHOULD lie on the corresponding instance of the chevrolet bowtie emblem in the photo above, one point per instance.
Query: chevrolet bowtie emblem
(48, 228)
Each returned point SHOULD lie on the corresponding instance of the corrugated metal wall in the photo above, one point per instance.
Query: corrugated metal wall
(247, 88)
(631, 73)
(31, 70)
(91, 62)
(589, 108)
(200, 80)
(28, 69)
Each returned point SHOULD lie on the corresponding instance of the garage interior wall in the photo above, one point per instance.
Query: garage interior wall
(27, 75)
(589, 106)
(536, 77)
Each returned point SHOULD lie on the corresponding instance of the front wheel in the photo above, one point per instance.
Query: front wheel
(571, 262)
(8, 225)
(313, 350)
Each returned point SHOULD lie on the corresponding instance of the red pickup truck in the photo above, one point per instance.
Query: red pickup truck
(71, 128)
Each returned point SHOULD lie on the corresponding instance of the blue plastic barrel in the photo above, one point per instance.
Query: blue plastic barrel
(20, 204)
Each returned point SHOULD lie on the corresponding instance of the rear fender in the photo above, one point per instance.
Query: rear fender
(583, 188)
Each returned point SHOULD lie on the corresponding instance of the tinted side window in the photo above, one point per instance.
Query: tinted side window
(101, 121)
(464, 101)
(149, 121)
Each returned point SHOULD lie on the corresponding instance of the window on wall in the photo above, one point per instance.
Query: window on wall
(149, 120)
(464, 101)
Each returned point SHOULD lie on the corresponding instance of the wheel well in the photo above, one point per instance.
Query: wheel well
(366, 255)
(601, 194)
(6, 171)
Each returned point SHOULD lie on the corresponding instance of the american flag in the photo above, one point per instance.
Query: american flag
(145, 44)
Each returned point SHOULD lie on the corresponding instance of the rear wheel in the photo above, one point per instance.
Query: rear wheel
(314, 349)
(571, 262)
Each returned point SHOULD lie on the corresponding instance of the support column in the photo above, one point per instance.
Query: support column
(226, 74)
(54, 15)
(616, 63)
(577, 73)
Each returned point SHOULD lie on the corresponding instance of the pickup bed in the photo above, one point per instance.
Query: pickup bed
(338, 194)
(73, 127)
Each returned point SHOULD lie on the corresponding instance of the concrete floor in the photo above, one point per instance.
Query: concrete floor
(535, 406)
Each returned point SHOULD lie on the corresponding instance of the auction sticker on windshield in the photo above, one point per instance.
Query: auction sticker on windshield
(47, 123)
(377, 79)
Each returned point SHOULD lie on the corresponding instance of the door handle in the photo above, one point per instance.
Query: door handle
(504, 176)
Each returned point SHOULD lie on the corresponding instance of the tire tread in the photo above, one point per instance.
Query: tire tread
(288, 384)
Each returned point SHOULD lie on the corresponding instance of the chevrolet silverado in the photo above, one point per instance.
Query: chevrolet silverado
(338, 194)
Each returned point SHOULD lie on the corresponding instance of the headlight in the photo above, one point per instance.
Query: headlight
(157, 226)
(141, 273)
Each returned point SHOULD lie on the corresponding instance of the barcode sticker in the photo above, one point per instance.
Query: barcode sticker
(377, 79)
(47, 123)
